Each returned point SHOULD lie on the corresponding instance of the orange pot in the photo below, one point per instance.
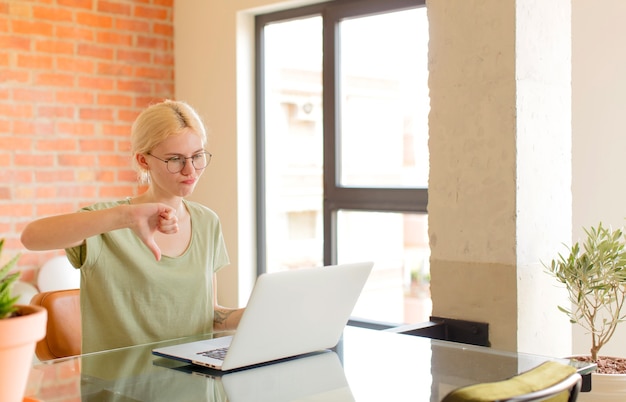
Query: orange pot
(18, 336)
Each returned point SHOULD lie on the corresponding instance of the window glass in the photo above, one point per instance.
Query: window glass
(384, 100)
(380, 149)
(398, 289)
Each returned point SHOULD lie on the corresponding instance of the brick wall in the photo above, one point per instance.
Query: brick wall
(73, 76)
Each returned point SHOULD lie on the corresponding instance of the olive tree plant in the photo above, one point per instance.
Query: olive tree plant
(595, 278)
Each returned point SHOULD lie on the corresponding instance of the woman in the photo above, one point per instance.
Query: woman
(147, 263)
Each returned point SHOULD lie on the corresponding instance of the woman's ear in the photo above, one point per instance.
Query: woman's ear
(142, 162)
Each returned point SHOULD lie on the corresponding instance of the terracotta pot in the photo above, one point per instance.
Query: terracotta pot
(18, 337)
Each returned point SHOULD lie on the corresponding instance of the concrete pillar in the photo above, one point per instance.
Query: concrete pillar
(500, 166)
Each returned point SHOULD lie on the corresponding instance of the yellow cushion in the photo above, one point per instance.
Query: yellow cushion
(541, 377)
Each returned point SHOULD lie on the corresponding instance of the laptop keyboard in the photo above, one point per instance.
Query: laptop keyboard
(218, 354)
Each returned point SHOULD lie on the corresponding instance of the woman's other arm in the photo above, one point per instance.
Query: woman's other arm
(224, 318)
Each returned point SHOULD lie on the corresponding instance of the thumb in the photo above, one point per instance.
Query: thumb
(154, 248)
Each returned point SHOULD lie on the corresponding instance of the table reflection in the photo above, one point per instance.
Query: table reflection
(366, 365)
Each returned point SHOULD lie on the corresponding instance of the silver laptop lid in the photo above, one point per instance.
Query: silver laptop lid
(295, 312)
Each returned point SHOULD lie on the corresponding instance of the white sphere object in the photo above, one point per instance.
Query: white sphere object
(25, 291)
(58, 274)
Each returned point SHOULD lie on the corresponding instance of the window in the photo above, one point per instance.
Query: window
(342, 147)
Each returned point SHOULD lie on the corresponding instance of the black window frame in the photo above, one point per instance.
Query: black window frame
(406, 200)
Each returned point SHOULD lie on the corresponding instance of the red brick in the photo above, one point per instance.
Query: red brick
(114, 8)
(116, 191)
(77, 192)
(16, 143)
(57, 14)
(106, 176)
(56, 144)
(120, 69)
(157, 73)
(115, 100)
(55, 112)
(132, 25)
(145, 101)
(94, 20)
(97, 145)
(127, 176)
(5, 126)
(166, 3)
(29, 127)
(139, 86)
(99, 83)
(32, 95)
(86, 4)
(75, 64)
(16, 110)
(163, 29)
(57, 175)
(134, 56)
(54, 79)
(21, 209)
(77, 97)
(95, 114)
(155, 43)
(114, 38)
(165, 87)
(75, 33)
(33, 160)
(54, 46)
(11, 42)
(124, 146)
(19, 9)
(114, 160)
(77, 128)
(152, 12)
(89, 50)
(54, 209)
(164, 59)
(35, 61)
(76, 160)
(14, 76)
(48, 192)
(31, 28)
(118, 129)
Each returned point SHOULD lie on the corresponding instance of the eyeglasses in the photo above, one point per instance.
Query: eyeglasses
(176, 164)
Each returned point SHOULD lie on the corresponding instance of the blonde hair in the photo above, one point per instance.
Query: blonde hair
(158, 122)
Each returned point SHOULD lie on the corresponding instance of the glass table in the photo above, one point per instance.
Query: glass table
(366, 365)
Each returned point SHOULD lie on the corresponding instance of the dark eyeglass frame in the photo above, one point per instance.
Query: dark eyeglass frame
(206, 154)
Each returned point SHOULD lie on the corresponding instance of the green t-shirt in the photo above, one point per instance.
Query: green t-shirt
(127, 297)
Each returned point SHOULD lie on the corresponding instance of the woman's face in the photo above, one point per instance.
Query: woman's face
(176, 147)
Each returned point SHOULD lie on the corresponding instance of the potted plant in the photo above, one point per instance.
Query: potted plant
(21, 326)
(595, 278)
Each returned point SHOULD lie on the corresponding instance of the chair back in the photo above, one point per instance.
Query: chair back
(63, 333)
(568, 389)
(549, 381)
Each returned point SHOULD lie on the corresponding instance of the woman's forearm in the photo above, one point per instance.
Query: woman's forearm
(69, 230)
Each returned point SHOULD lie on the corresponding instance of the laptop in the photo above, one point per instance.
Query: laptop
(289, 313)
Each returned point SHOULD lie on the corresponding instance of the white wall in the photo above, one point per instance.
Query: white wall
(598, 125)
(207, 54)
